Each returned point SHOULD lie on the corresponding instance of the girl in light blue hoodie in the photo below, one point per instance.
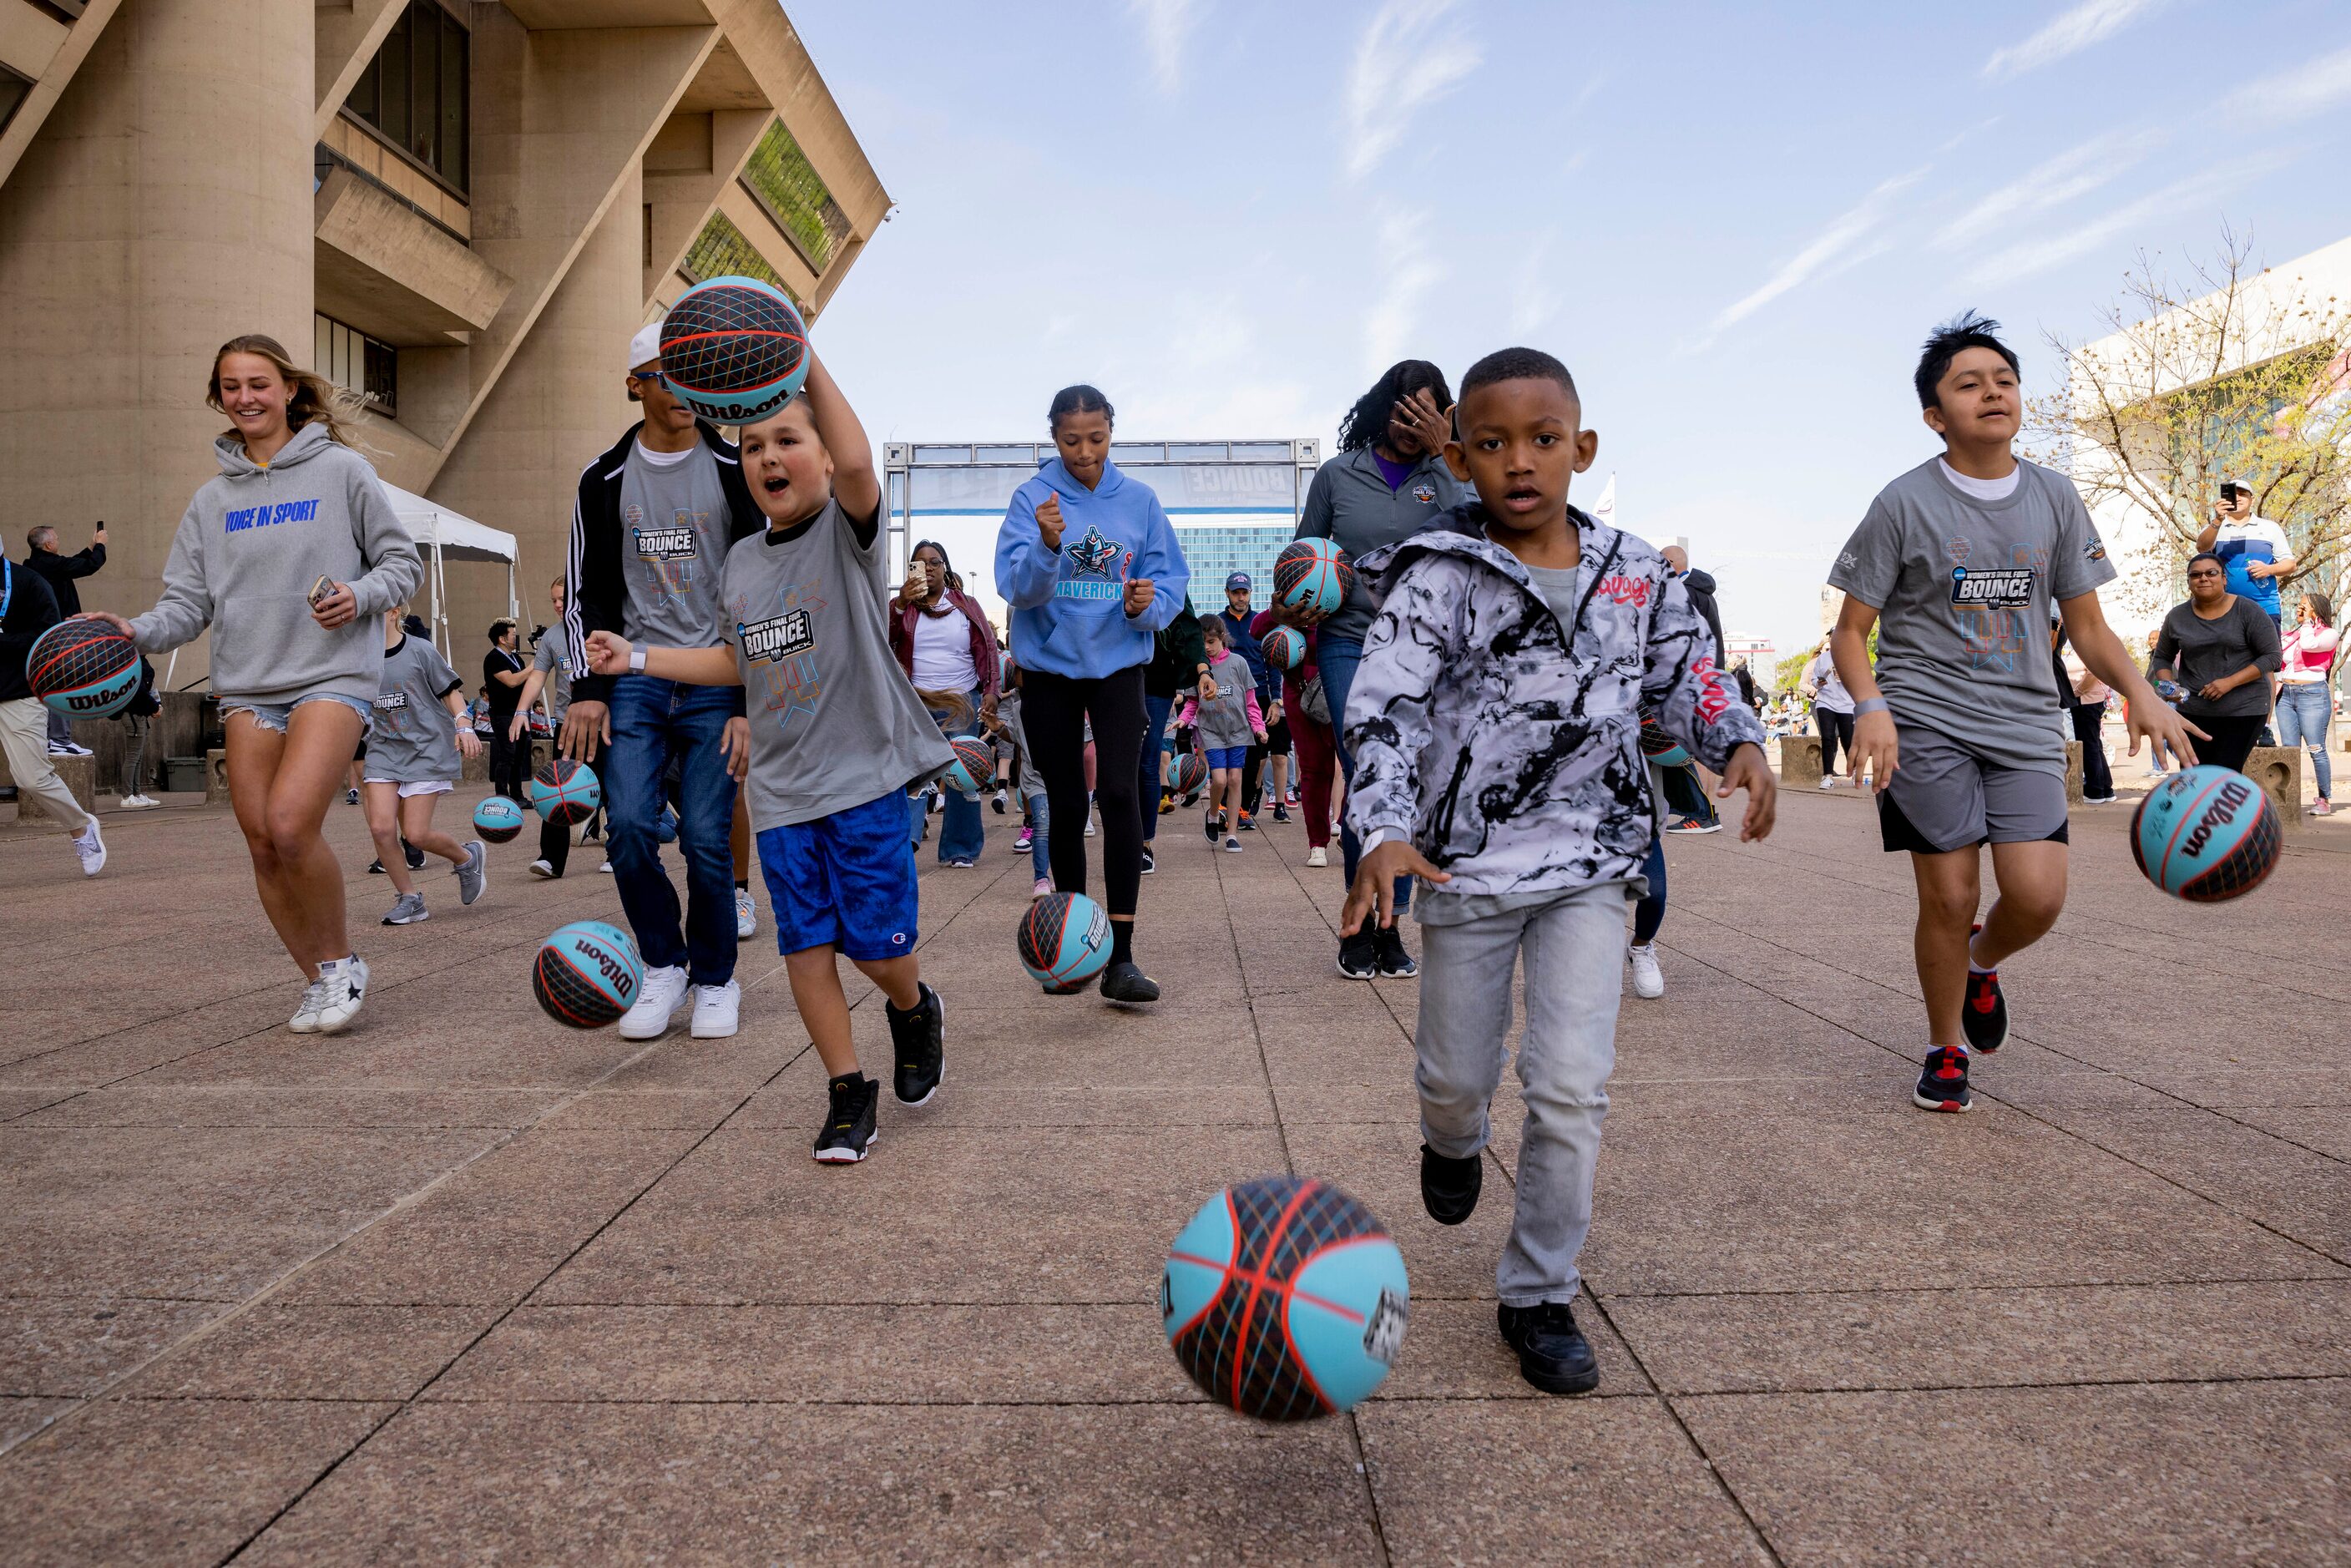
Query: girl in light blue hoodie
(1090, 569)
(289, 554)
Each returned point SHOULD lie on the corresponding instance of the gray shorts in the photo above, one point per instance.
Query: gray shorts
(1945, 797)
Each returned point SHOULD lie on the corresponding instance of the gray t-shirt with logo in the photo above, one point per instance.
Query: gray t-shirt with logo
(1964, 590)
(554, 656)
(834, 721)
(413, 737)
(674, 531)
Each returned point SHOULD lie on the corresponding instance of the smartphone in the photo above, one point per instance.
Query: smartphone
(321, 591)
(2229, 494)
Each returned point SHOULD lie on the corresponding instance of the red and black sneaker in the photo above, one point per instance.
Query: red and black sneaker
(1983, 1016)
(1943, 1082)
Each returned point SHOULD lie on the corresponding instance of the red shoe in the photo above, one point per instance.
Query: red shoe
(1983, 1016)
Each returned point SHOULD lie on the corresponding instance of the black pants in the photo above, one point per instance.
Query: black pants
(2232, 738)
(555, 845)
(1835, 727)
(1053, 713)
(2097, 778)
(509, 760)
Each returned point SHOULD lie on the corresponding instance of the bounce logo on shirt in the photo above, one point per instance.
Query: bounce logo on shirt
(781, 636)
(666, 544)
(2009, 588)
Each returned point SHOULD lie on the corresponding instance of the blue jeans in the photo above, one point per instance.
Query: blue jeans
(652, 719)
(963, 833)
(1337, 661)
(1041, 834)
(2302, 721)
(1155, 732)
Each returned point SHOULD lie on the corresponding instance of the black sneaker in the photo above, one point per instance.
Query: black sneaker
(1249, 822)
(1149, 865)
(1215, 826)
(1449, 1187)
(1388, 942)
(1553, 1354)
(415, 856)
(1359, 956)
(1281, 813)
(1943, 1082)
(918, 1037)
(848, 1126)
(1128, 983)
(1983, 1017)
(375, 867)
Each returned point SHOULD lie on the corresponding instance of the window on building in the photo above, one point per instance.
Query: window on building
(721, 251)
(779, 174)
(414, 91)
(13, 91)
(357, 362)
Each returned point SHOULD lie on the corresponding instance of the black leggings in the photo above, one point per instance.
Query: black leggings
(1835, 727)
(1053, 713)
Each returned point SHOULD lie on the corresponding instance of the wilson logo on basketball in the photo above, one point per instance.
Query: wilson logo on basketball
(2219, 814)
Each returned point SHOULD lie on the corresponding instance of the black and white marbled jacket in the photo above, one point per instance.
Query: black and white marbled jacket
(1505, 746)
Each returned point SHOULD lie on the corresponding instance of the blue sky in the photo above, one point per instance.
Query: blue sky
(1733, 224)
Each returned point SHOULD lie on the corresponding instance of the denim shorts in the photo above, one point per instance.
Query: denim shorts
(274, 715)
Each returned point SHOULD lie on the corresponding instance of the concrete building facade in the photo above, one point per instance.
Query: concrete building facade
(460, 209)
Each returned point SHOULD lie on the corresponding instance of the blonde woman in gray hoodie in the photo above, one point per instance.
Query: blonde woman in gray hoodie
(289, 554)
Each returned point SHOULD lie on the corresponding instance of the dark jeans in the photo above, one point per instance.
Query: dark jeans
(1053, 713)
(1154, 757)
(1684, 794)
(1336, 660)
(510, 759)
(654, 719)
(1835, 727)
(1649, 914)
(2097, 778)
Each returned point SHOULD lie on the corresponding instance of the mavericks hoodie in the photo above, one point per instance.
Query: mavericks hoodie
(1068, 606)
(254, 541)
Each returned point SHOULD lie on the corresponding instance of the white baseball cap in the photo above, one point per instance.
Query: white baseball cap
(645, 349)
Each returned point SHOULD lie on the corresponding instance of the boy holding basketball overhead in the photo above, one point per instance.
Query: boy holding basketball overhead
(1958, 564)
(833, 736)
(1495, 722)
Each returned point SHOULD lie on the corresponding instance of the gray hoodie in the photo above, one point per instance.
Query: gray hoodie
(252, 544)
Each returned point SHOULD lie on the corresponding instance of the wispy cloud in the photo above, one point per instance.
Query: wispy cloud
(1846, 242)
(2297, 94)
(1167, 25)
(1407, 273)
(2067, 177)
(2069, 33)
(2127, 222)
(1413, 54)
(1534, 299)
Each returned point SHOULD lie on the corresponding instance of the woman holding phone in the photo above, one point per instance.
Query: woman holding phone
(289, 554)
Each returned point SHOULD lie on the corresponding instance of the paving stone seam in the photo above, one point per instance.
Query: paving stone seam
(979, 889)
(2170, 1283)
(1365, 1479)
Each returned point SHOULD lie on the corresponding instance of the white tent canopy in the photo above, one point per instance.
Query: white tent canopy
(442, 535)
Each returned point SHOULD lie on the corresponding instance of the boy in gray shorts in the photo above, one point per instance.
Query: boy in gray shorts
(1958, 564)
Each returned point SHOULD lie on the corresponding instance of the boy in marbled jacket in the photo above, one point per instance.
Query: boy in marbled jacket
(1496, 724)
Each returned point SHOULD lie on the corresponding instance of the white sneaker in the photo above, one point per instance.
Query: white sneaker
(747, 918)
(664, 989)
(1648, 980)
(91, 847)
(542, 869)
(306, 1016)
(1316, 858)
(716, 1009)
(1828, 781)
(343, 987)
(138, 802)
(1089, 827)
(606, 868)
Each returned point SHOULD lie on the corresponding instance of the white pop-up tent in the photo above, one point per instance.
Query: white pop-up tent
(442, 535)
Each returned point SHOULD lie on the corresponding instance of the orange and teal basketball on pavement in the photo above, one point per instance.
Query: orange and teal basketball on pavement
(2206, 834)
(497, 819)
(1285, 1298)
(565, 791)
(587, 974)
(1064, 941)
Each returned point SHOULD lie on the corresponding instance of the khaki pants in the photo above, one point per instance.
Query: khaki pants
(25, 736)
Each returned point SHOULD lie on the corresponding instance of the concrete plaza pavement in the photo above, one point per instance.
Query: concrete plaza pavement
(464, 1285)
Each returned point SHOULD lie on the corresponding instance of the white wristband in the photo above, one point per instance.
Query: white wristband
(636, 661)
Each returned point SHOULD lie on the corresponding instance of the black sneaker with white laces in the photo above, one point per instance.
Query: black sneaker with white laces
(848, 1131)
(918, 1038)
(1397, 964)
(1449, 1187)
(1149, 864)
(1359, 956)
(1553, 1354)
(1943, 1082)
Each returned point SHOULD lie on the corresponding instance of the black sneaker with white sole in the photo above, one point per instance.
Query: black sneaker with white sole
(1983, 1016)
(1359, 956)
(1553, 1354)
(1397, 964)
(1149, 865)
(918, 1036)
(848, 1131)
(1943, 1082)
(1449, 1187)
(1126, 982)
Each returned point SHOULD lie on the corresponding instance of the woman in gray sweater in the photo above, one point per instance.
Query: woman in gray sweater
(2225, 649)
(289, 554)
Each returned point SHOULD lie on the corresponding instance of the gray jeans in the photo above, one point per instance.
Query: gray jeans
(1574, 949)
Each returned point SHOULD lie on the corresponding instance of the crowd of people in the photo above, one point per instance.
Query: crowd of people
(1508, 712)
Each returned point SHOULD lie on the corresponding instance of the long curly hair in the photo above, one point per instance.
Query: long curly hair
(1368, 420)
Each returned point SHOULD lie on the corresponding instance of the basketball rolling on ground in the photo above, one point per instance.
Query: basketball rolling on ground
(1065, 941)
(587, 974)
(2206, 834)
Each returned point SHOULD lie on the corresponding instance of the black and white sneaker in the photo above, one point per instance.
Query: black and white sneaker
(415, 856)
(1983, 1017)
(1359, 956)
(1281, 813)
(918, 1036)
(1449, 1187)
(849, 1125)
(1149, 865)
(1553, 1354)
(1397, 964)
(1215, 826)
(1943, 1082)
(1127, 983)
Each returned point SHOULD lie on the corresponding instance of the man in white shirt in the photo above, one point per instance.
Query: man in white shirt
(2254, 549)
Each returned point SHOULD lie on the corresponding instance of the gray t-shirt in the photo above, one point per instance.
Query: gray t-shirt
(1964, 590)
(554, 656)
(2206, 651)
(834, 721)
(413, 737)
(673, 548)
